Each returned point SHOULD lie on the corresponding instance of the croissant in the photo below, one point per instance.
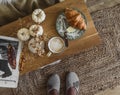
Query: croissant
(75, 19)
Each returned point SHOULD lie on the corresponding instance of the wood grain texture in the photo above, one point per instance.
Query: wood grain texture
(90, 38)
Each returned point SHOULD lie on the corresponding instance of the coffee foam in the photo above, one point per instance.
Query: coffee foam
(56, 45)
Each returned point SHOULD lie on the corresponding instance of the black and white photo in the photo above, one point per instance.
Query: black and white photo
(10, 49)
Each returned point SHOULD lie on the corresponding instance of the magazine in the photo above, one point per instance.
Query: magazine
(10, 49)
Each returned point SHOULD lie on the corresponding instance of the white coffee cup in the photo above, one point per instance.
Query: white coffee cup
(55, 45)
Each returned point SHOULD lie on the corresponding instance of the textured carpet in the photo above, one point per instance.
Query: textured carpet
(98, 68)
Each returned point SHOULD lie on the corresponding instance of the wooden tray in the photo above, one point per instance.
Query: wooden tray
(90, 37)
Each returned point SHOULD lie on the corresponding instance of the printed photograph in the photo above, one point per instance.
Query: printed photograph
(10, 49)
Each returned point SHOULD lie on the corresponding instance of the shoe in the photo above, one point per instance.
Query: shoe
(53, 85)
(72, 83)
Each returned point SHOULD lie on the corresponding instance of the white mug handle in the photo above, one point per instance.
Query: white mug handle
(49, 54)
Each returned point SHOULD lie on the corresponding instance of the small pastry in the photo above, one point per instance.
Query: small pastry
(38, 16)
(75, 19)
(23, 34)
(36, 30)
(36, 46)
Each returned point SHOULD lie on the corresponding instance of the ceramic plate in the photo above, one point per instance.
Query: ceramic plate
(62, 25)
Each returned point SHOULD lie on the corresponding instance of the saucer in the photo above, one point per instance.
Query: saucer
(62, 25)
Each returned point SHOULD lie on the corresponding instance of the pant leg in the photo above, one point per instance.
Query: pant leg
(4, 67)
(19, 8)
(53, 92)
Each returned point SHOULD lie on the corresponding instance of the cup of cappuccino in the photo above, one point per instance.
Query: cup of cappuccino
(55, 45)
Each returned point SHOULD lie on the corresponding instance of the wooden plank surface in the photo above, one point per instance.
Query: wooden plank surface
(33, 62)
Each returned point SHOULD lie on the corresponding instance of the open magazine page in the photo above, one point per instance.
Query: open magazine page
(10, 49)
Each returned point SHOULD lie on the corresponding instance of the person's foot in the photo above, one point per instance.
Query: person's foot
(53, 85)
(72, 84)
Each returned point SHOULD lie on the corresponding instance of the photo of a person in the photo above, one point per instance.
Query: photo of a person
(10, 50)
(4, 62)
(7, 56)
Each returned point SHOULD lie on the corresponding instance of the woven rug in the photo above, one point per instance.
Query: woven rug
(98, 67)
